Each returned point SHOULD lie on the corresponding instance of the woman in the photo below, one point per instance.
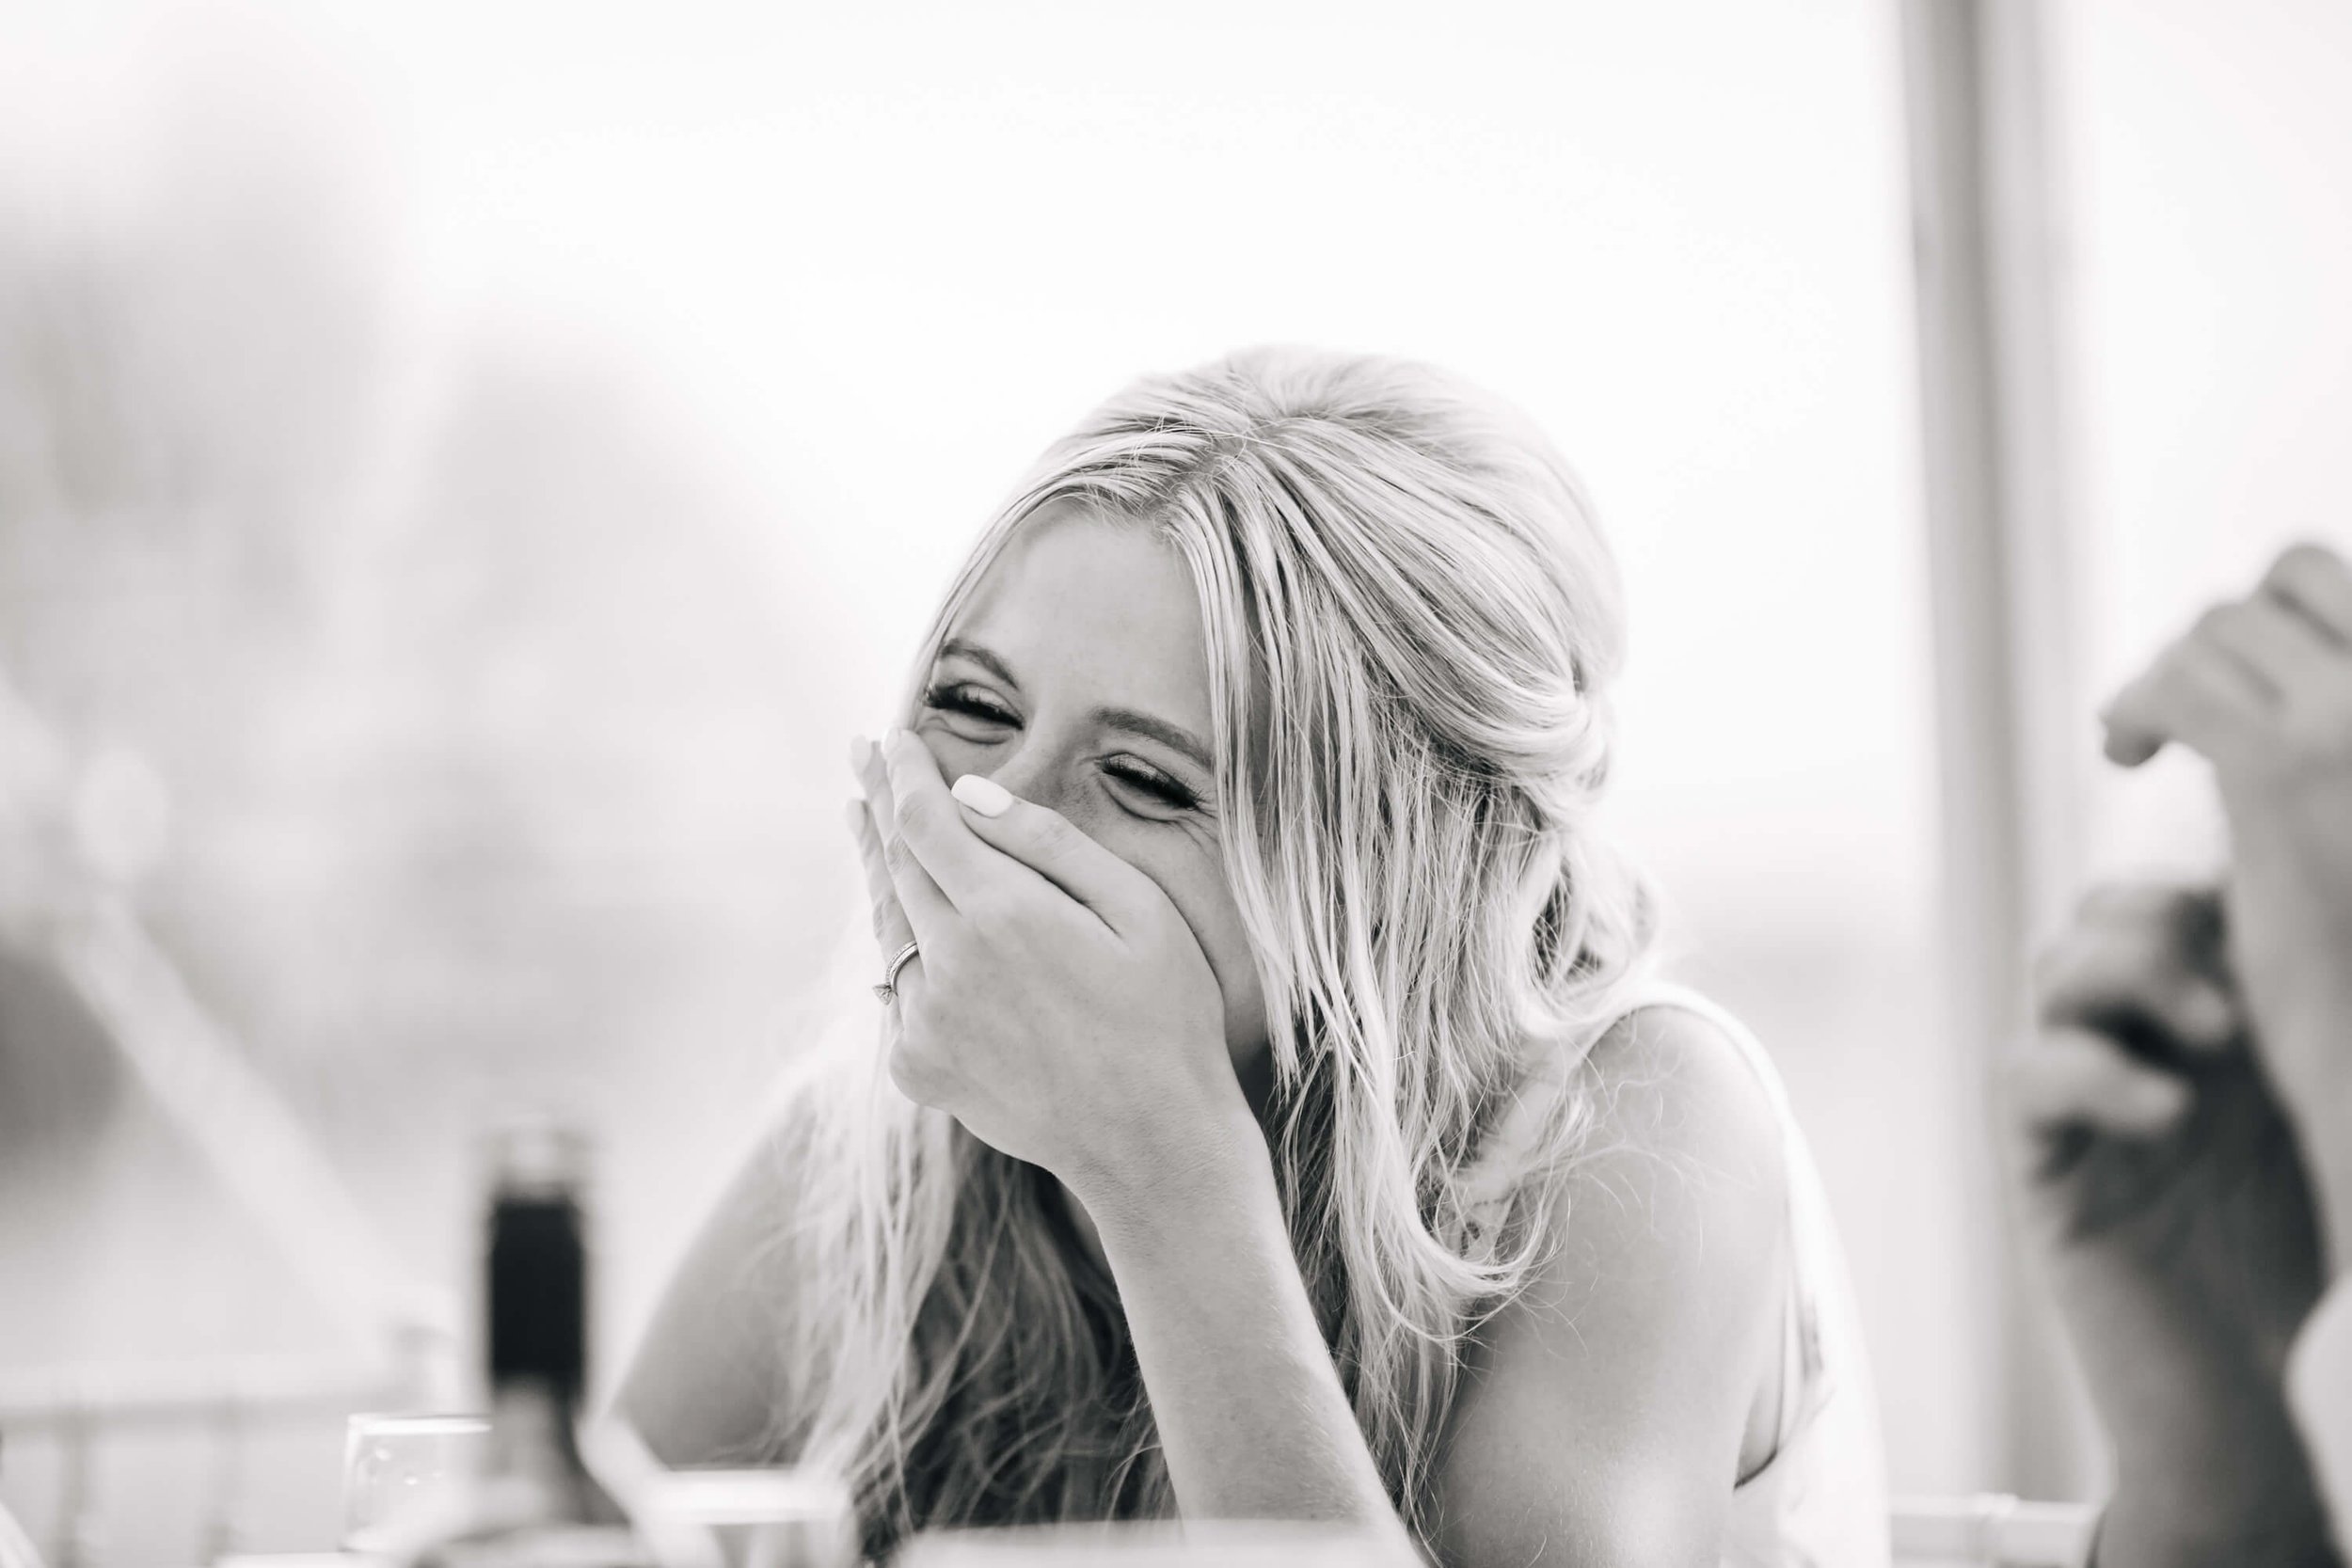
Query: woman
(1278, 1120)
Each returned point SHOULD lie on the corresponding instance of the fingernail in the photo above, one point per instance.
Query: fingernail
(890, 736)
(861, 751)
(983, 795)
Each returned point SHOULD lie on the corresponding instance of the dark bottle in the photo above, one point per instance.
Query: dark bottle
(539, 1507)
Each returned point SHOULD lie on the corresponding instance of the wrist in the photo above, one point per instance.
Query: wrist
(1155, 1201)
(2143, 1530)
(2250, 1502)
(1167, 1136)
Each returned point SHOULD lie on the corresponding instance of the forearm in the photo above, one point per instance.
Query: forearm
(2292, 952)
(2322, 1117)
(2209, 1467)
(1251, 1415)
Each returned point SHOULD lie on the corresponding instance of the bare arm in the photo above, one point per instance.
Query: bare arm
(1604, 1417)
(706, 1383)
(1609, 1414)
(2262, 688)
(1250, 1412)
(1066, 1014)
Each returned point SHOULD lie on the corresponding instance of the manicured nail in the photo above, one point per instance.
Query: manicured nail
(983, 795)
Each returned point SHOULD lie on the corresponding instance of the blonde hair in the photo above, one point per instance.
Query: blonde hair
(1412, 627)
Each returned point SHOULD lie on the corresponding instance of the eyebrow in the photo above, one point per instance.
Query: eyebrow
(957, 647)
(1174, 736)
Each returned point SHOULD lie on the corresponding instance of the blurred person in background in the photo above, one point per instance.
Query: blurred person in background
(2186, 1115)
(1274, 1114)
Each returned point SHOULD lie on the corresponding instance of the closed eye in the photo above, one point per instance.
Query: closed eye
(974, 714)
(975, 707)
(1145, 780)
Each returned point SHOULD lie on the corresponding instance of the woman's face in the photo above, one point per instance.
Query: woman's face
(1077, 677)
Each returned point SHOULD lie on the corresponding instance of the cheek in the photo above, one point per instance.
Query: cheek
(955, 755)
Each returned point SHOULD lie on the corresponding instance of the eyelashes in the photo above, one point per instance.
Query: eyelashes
(965, 701)
(1157, 784)
(962, 701)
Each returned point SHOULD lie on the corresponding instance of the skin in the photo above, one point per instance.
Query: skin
(2178, 1230)
(1086, 1001)
(2184, 1121)
(2261, 689)
(1041, 622)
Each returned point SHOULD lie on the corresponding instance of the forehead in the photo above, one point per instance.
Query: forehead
(1101, 609)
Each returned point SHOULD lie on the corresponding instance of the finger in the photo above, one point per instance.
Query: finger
(2186, 917)
(1056, 849)
(867, 764)
(2188, 907)
(2318, 583)
(932, 827)
(928, 908)
(892, 929)
(2075, 1078)
(2277, 642)
(2195, 695)
(2142, 973)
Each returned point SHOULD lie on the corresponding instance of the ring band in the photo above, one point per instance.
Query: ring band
(887, 991)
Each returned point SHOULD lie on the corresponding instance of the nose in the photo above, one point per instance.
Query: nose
(1043, 774)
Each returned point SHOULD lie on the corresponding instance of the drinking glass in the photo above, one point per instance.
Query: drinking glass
(394, 1465)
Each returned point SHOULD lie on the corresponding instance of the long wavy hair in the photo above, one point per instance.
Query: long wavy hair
(1413, 625)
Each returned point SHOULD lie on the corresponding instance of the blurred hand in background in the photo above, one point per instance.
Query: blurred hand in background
(2262, 688)
(2165, 1189)
(2184, 1122)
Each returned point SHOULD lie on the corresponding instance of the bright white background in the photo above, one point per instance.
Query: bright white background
(688, 353)
(2212, 161)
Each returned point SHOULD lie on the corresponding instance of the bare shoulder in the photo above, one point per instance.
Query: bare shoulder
(1671, 1085)
(1679, 1184)
(1609, 1403)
